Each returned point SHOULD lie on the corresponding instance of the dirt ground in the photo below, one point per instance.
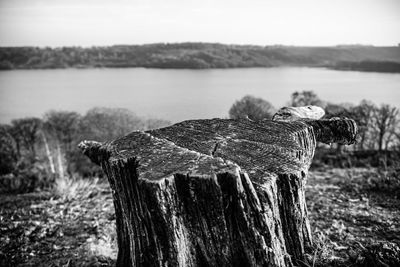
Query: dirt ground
(353, 213)
(40, 229)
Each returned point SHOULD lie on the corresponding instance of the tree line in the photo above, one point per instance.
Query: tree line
(201, 56)
(368, 65)
(378, 126)
(48, 146)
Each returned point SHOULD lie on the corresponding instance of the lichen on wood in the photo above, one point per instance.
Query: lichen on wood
(214, 192)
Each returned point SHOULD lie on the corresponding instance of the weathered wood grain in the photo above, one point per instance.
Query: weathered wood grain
(214, 192)
(296, 113)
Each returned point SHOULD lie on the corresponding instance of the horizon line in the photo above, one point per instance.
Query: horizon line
(200, 42)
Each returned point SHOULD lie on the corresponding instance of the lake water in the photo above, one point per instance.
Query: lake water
(181, 94)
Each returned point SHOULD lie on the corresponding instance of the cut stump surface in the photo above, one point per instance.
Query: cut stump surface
(214, 192)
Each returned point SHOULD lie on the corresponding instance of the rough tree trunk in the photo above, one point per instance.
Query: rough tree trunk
(214, 192)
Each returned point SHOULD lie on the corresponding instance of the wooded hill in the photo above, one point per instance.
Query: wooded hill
(202, 56)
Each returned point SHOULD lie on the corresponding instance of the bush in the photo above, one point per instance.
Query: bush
(253, 108)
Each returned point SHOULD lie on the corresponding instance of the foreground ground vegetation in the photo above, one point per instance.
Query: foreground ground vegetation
(353, 213)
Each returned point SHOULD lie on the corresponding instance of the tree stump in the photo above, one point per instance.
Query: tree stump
(214, 192)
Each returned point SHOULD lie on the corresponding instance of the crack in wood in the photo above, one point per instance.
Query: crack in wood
(215, 149)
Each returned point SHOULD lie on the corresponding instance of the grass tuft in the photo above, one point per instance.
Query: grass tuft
(105, 245)
(75, 188)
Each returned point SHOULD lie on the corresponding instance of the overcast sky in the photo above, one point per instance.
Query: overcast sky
(262, 22)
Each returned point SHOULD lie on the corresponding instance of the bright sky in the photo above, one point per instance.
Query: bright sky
(262, 22)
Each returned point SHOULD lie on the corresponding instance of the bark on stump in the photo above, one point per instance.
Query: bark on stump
(214, 192)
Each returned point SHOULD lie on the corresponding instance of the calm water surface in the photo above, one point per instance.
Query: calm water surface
(181, 94)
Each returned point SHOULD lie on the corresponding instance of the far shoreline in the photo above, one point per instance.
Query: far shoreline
(203, 56)
(215, 68)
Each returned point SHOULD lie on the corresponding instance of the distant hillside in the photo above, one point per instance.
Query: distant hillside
(201, 56)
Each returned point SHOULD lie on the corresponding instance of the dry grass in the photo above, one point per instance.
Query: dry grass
(354, 215)
(69, 188)
(73, 225)
(104, 245)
